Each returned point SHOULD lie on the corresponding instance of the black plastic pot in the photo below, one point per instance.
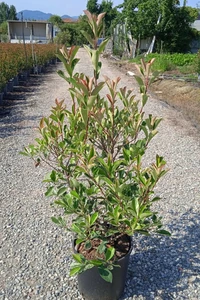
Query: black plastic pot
(1, 97)
(93, 287)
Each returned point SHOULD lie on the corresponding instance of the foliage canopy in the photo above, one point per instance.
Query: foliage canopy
(170, 23)
(7, 12)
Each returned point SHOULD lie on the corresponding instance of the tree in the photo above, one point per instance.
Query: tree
(174, 28)
(141, 15)
(75, 30)
(4, 12)
(73, 33)
(111, 14)
(70, 33)
(7, 13)
(56, 20)
(63, 37)
(4, 31)
(4, 28)
(12, 13)
(93, 6)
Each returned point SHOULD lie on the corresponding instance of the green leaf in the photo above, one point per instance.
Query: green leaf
(68, 69)
(88, 266)
(103, 45)
(24, 153)
(55, 220)
(102, 247)
(67, 66)
(136, 206)
(50, 191)
(53, 117)
(105, 274)
(93, 218)
(95, 59)
(62, 75)
(143, 179)
(165, 232)
(75, 194)
(102, 162)
(74, 62)
(61, 191)
(89, 51)
(59, 221)
(78, 258)
(107, 180)
(96, 262)
(75, 228)
(98, 88)
(110, 253)
(88, 37)
(75, 270)
(116, 213)
(84, 115)
(117, 164)
(139, 80)
(145, 215)
(47, 177)
(145, 130)
(91, 101)
(155, 199)
(126, 153)
(78, 241)
(53, 176)
(91, 191)
(88, 245)
(91, 154)
(78, 85)
(74, 52)
(160, 161)
(144, 99)
(111, 117)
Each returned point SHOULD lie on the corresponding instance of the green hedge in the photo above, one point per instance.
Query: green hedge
(166, 62)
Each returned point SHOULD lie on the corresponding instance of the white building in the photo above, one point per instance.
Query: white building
(195, 45)
(30, 31)
(196, 24)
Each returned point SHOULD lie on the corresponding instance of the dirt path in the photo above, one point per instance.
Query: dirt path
(181, 95)
(35, 254)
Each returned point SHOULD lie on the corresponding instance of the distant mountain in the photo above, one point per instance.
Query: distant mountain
(38, 15)
(68, 17)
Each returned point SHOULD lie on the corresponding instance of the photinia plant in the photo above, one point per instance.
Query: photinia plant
(95, 151)
(13, 58)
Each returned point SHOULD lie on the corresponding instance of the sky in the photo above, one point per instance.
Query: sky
(63, 7)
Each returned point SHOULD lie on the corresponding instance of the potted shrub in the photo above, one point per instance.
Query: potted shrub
(95, 152)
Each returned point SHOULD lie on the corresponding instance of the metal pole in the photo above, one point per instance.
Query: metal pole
(25, 52)
(31, 29)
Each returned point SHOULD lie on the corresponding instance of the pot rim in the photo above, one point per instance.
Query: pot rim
(128, 253)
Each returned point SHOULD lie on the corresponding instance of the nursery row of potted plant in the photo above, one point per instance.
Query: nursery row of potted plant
(8, 86)
(18, 58)
(96, 151)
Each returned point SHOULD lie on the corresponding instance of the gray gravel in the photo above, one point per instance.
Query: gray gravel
(35, 254)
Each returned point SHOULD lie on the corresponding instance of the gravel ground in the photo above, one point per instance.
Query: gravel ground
(35, 254)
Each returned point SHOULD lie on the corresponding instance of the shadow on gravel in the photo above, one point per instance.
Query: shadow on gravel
(13, 126)
(12, 118)
(161, 267)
